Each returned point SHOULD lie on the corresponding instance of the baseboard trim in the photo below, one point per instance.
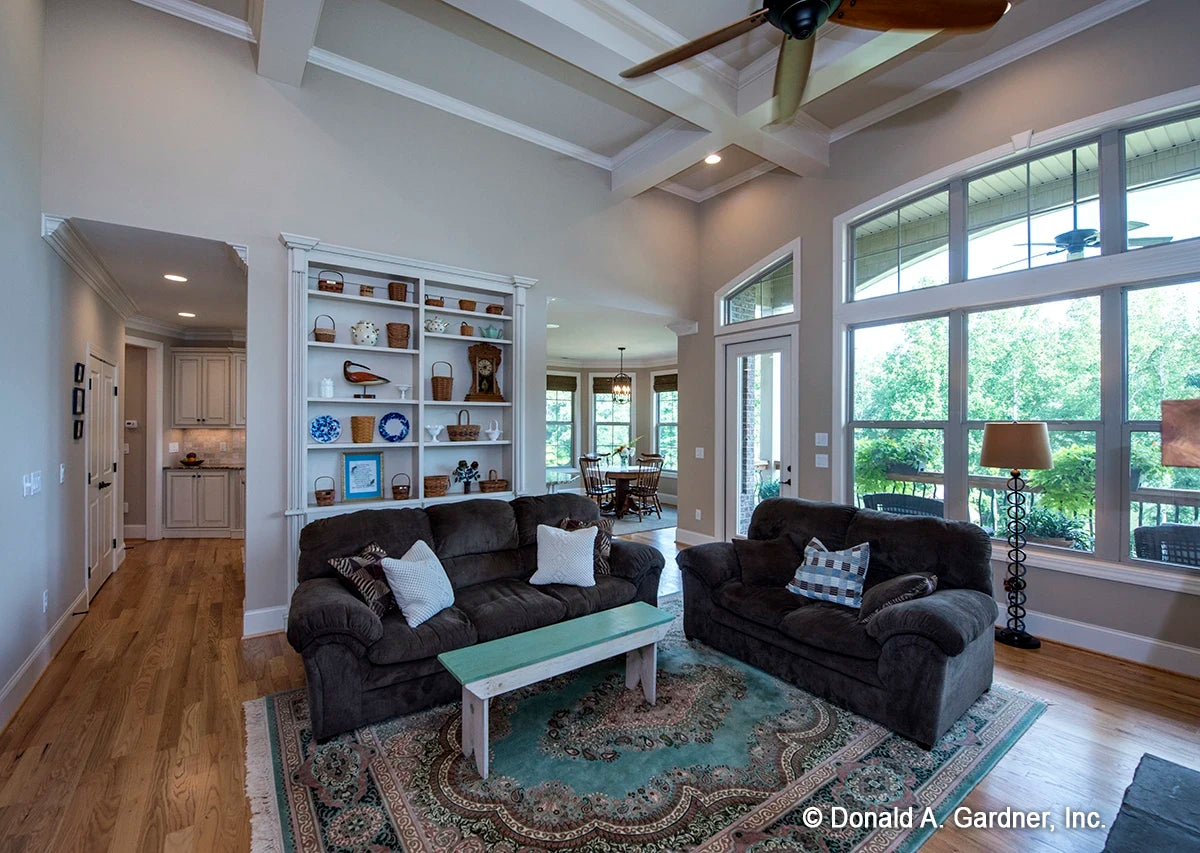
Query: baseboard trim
(27, 674)
(196, 533)
(135, 531)
(691, 537)
(1136, 648)
(268, 620)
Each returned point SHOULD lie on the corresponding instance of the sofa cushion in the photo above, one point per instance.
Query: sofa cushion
(507, 606)
(777, 517)
(448, 630)
(532, 510)
(766, 562)
(608, 592)
(394, 530)
(957, 552)
(951, 618)
(831, 627)
(762, 604)
(472, 527)
(364, 574)
(565, 556)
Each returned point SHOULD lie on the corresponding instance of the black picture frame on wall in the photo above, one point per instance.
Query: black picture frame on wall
(77, 432)
(78, 372)
(77, 401)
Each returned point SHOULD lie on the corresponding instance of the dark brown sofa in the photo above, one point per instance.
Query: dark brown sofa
(915, 667)
(362, 669)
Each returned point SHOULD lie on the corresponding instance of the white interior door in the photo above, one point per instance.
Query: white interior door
(101, 429)
(759, 429)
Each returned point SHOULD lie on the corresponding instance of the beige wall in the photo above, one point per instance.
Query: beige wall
(133, 384)
(1125, 60)
(50, 317)
(180, 134)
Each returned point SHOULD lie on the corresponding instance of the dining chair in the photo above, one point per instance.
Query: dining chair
(594, 484)
(645, 488)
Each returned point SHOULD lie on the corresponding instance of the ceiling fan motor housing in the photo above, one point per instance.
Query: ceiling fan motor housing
(800, 18)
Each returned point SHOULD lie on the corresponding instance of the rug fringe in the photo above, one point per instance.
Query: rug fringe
(266, 835)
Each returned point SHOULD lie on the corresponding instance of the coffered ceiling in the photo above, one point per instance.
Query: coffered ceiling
(547, 71)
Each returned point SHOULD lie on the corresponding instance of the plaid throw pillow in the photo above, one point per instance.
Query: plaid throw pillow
(603, 540)
(835, 576)
(364, 573)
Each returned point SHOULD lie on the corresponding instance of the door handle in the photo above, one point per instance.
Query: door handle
(103, 485)
(786, 482)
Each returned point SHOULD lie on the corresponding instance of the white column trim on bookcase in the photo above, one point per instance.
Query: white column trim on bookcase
(298, 250)
(517, 387)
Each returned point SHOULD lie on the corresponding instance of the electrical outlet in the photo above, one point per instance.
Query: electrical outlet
(62, 472)
(699, 452)
(224, 446)
(125, 448)
(173, 447)
(698, 514)
(822, 460)
(125, 507)
(35, 482)
(45, 600)
(822, 439)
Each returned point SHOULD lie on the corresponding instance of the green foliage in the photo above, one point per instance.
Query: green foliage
(767, 489)
(875, 456)
(1047, 524)
(1070, 486)
(465, 473)
(1146, 460)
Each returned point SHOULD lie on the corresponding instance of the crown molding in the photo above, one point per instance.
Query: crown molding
(79, 255)
(178, 331)
(1051, 35)
(682, 328)
(204, 16)
(240, 255)
(603, 365)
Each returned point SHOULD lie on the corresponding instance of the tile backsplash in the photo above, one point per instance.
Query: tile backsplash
(206, 443)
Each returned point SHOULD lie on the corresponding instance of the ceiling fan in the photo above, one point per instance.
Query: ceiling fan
(800, 19)
(1075, 241)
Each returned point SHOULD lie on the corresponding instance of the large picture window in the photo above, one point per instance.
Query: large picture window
(612, 421)
(560, 420)
(666, 419)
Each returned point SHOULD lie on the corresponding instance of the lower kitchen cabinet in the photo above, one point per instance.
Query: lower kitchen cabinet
(203, 503)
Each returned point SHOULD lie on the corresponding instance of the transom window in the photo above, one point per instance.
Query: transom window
(766, 294)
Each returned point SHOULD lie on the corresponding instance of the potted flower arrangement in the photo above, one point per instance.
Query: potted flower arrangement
(625, 451)
(466, 474)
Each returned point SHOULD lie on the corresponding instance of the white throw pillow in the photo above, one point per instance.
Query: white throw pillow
(565, 556)
(419, 584)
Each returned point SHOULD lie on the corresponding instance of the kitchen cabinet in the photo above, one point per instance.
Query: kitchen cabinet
(208, 388)
(197, 501)
(239, 389)
(237, 504)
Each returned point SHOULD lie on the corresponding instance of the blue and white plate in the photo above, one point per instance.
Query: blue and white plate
(393, 427)
(325, 429)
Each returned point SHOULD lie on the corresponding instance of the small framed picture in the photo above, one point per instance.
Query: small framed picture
(77, 401)
(362, 476)
(78, 372)
(77, 432)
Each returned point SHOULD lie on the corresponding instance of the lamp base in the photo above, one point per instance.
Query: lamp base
(1017, 638)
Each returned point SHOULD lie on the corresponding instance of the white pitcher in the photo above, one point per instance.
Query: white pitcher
(493, 431)
(364, 333)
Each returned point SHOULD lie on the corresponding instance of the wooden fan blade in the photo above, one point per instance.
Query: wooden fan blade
(791, 76)
(695, 46)
(920, 14)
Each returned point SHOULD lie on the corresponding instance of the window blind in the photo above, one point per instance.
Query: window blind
(666, 382)
(561, 383)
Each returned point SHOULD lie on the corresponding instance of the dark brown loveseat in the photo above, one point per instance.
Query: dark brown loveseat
(915, 667)
(362, 669)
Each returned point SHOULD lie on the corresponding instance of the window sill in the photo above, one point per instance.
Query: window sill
(1153, 577)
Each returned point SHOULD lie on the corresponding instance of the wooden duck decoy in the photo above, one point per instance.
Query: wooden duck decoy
(362, 377)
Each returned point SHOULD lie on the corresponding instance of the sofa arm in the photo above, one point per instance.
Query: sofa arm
(324, 608)
(951, 618)
(713, 563)
(638, 563)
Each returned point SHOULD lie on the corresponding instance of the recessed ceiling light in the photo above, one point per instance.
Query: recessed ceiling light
(174, 277)
(713, 159)
(186, 314)
(552, 325)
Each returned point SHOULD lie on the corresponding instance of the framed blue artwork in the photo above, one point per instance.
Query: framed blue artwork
(362, 476)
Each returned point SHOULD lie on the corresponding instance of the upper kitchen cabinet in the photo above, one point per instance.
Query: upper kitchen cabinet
(208, 388)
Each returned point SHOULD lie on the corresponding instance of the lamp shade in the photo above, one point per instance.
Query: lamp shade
(1020, 445)
(1181, 433)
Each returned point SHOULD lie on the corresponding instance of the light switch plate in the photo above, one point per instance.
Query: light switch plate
(35, 482)
(173, 447)
(822, 439)
(699, 452)
(822, 460)
(698, 514)
(26, 486)
(62, 472)
(125, 448)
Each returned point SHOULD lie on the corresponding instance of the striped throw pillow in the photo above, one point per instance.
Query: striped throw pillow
(835, 576)
(364, 573)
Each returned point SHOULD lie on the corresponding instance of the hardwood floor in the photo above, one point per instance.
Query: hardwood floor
(133, 738)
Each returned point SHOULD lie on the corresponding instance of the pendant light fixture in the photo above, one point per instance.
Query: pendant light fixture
(622, 385)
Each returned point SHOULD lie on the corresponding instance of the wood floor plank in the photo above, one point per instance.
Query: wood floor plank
(132, 739)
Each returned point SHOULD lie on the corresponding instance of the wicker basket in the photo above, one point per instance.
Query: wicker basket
(436, 301)
(362, 428)
(401, 491)
(443, 386)
(437, 485)
(324, 496)
(397, 334)
(466, 304)
(398, 291)
(323, 334)
(466, 330)
(331, 285)
(367, 290)
(461, 431)
(493, 483)
(495, 309)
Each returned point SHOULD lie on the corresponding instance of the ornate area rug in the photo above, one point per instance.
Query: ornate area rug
(729, 759)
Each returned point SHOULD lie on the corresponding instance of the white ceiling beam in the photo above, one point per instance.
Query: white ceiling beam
(286, 31)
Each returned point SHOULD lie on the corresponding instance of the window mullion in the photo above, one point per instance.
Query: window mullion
(957, 248)
(1113, 224)
(1112, 472)
(956, 489)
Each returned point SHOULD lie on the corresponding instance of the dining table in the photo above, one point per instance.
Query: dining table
(622, 479)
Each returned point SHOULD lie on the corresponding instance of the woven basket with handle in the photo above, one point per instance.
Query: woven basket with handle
(495, 309)
(466, 304)
(362, 428)
(324, 496)
(326, 283)
(443, 386)
(466, 330)
(435, 301)
(401, 491)
(324, 334)
(461, 431)
(437, 485)
(397, 334)
(493, 483)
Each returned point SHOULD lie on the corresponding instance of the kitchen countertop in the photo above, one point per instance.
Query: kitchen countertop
(206, 466)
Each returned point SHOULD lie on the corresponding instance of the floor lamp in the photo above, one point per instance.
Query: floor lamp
(1018, 446)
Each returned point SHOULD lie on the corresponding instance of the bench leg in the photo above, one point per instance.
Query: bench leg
(475, 730)
(641, 667)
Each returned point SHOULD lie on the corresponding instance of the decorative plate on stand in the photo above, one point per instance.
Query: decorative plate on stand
(393, 427)
(325, 428)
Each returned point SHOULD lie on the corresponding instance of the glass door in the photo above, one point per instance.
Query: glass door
(760, 419)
